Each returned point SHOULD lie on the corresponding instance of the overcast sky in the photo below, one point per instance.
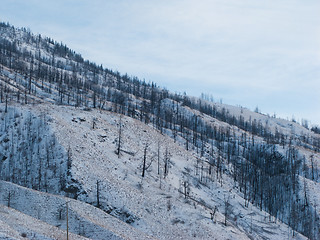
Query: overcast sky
(245, 52)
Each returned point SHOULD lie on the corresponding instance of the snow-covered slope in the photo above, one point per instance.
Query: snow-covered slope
(154, 204)
(39, 215)
(149, 163)
(17, 225)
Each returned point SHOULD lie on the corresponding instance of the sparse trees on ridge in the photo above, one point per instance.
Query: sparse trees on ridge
(265, 163)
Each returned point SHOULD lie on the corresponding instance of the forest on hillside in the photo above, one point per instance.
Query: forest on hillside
(266, 163)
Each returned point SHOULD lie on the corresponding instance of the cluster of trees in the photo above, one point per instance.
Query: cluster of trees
(316, 129)
(31, 156)
(265, 175)
(53, 67)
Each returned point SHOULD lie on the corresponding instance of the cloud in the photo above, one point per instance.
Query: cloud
(248, 52)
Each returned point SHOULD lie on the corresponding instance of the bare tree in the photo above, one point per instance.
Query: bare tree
(9, 198)
(213, 213)
(6, 109)
(144, 160)
(119, 136)
(166, 162)
(186, 189)
(98, 194)
(227, 209)
(158, 157)
(94, 123)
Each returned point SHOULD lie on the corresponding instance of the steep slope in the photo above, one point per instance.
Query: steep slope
(43, 216)
(155, 204)
(158, 161)
(16, 225)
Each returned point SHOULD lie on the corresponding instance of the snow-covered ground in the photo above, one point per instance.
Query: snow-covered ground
(153, 204)
(39, 141)
(41, 215)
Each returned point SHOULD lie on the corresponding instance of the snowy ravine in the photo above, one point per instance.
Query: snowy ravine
(154, 204)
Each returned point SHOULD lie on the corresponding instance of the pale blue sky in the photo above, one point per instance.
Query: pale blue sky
(246, 52)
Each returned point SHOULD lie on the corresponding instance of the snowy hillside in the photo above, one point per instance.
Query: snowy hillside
(139, 162)
(39, 215)
(155, 204)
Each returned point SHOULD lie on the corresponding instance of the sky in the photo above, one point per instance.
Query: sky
(252, 53)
